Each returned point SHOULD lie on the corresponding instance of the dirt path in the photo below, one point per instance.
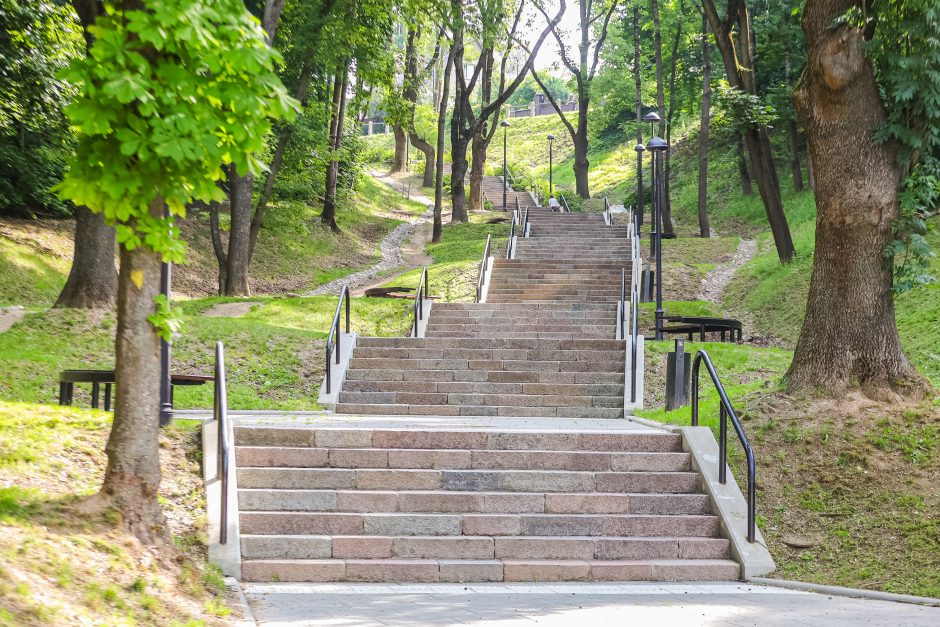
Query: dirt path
(394, 249)
(716, 281)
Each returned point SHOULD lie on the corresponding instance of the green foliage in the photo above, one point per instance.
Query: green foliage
(167, 95)
(37, 40)
(743, 110)
(906, 55)
(526, 91)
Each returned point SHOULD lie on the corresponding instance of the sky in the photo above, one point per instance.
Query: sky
(548, 54)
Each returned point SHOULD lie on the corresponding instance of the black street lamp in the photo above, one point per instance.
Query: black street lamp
(652, 117)
(166, 390)
(505, 125)
(658, 148)
(551, 140)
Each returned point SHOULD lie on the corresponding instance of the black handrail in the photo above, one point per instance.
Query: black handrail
(726, 410)
(419, 299)
(518, 207)
(607, 217)
(220, 413)
(333, 341)
(512, 234)
(620, 311)
(564, 204)
(483, 267)
(525, 223)
(634, 336)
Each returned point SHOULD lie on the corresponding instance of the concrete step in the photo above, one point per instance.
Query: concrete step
(532, 354)
(255, 547)
(530, 401)
(525, 365)
(492, 376)
(479, 410)
(463, 438)
(392, 570)
(408, 342)
(430, 501)
(484, 387)
(469, 480)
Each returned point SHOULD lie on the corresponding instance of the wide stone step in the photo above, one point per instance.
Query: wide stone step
(485, 387)
(408, 342)
(527, 365)
(532, 354)
(483, 334)
(469, 480)
(606, 441)
(518, 411)
(531, 401)
(410, 524)
(427, 571)
(600, 319)
(483, 376)
(265, 547)
(360, 501)
(518, 308)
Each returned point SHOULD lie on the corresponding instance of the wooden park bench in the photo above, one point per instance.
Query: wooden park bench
(690, 325)
(68, 379)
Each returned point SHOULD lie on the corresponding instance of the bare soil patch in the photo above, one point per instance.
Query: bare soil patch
(231, 310)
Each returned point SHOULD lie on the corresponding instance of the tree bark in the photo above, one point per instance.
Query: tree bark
(637, 76)
(743, 172)
(668, 230)
(477, 162)
(428, 150)
(93, 279)
(239, 237)
(438, 228)
(398, 162)
(132, 477)
(705, 127)
(217, 246)
(741, 75)
(849, 334)
(328, 216)
(810, 174)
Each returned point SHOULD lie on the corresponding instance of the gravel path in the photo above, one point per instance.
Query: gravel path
(713, 287)
(390, 249)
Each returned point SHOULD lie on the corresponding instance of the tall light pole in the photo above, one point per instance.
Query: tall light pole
(652, 117)
(639, 148)
(166, 387)
(551, 140)
(505, 125)
(658, 148)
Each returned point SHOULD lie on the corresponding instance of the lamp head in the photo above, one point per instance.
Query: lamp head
(651, 117)
(550, 137)
(657, 144)
(504, 123)
(639, 148)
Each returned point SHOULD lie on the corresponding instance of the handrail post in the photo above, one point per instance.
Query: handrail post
(722, 444)
(346, 290)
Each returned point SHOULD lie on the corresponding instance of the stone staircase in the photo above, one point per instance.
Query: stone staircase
(494, 448)
(493, 192)
(473, 504)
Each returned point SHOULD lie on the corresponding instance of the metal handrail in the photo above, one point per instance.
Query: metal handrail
(420, 295)
(635, 314)
(525, 223)
(510, 181)
(220, 414)
(564, 204)
(518, 207)
(608, 219)
(512, 234)
(483, 267)
(726, 410)
(621, 306)
(333, 341)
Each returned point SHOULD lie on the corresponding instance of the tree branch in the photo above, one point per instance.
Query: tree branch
(601, 39)
(551, 99)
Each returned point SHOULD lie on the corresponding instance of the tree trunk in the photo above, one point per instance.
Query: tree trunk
(477, 163)
(458, 173)
(93, 279)
(810, 174)
(216, 233)
(639, 108)
(239, 237)
(668, 230)
(132, 476)
(398, 163)
(328, 216)
(438, 228)
(580, 140)
(428, 150)
(795, 167)
(705, 127)
(849, 334)
(743, 172)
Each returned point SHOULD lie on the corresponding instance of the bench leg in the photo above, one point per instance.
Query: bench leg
(723, 335)
(701, 333)
(69, 393)
(107, 397)
(63, 393)
(95, 394)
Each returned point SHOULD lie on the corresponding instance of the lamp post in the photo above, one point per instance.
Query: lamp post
(652, 117)
(658, 148)
(166, 389)
(639, 148)
(505, 125)
(551, 140)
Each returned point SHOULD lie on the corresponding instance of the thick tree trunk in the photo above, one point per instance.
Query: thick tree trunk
(637, 76)
(438, 228)
(810, 174)
(667, 185)
(398, 162)
(849, 334)
(239, 237)
(477, 163)
(668, 230)
(458, 173)
(705, 127)
(428, 150)
(220, 255)
(328, 216)
(132, 476)
(581, 164)
(743, 172)
(93, 279)
(796, 169)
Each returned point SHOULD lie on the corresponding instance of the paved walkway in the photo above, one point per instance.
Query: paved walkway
(582, 605)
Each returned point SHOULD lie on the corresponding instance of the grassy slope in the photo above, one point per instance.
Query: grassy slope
(59, 566)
